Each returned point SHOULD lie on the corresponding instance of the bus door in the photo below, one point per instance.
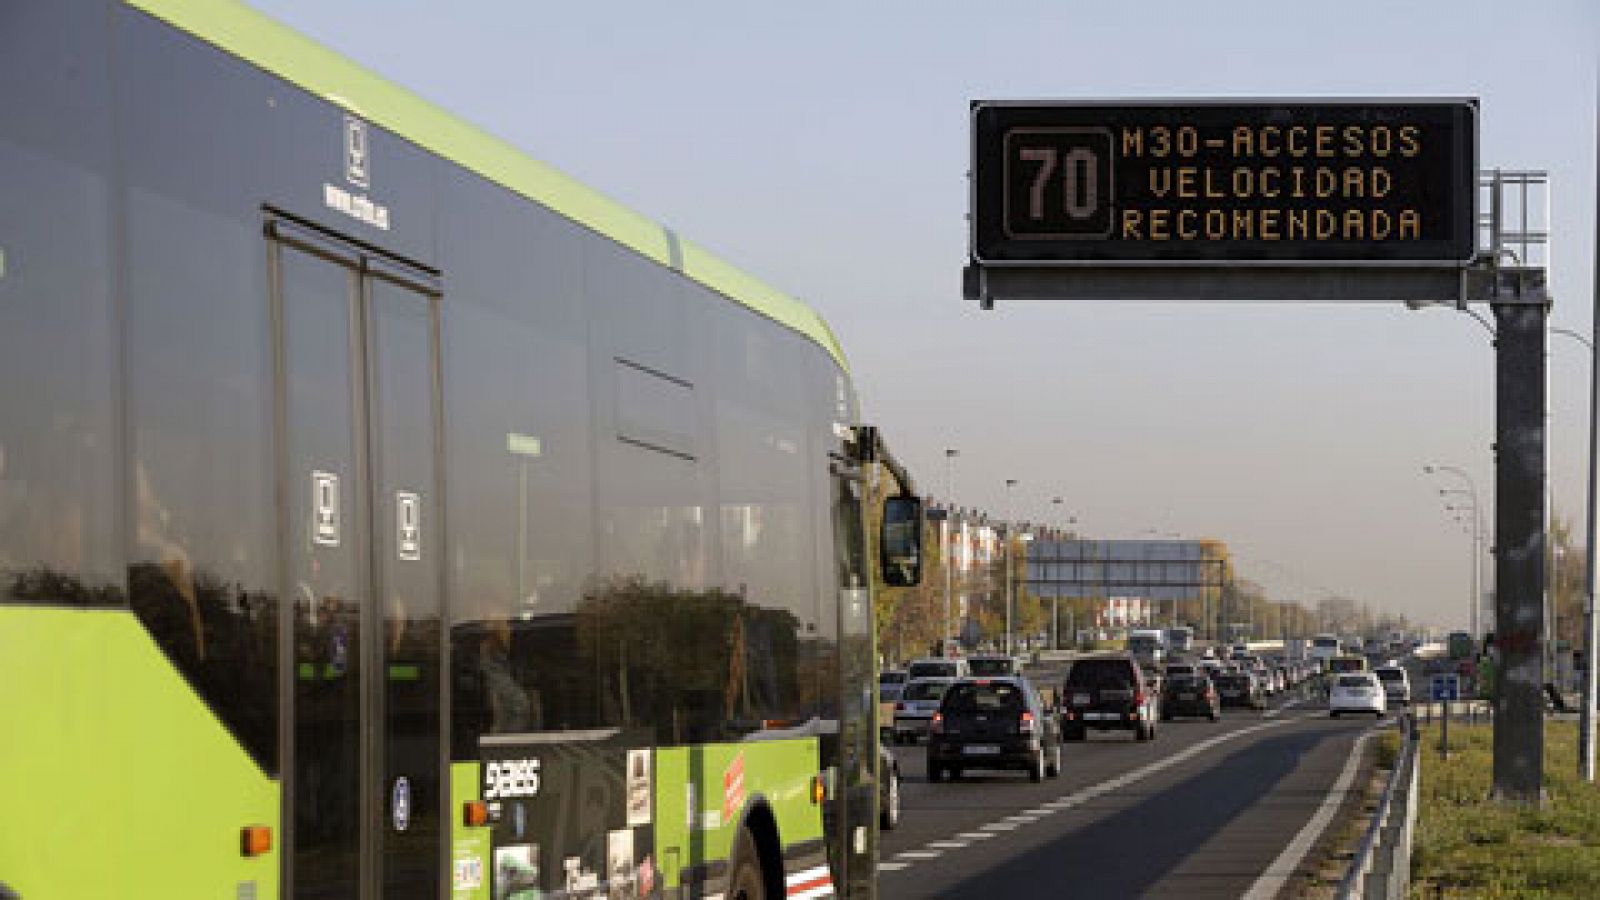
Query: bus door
(358, 409)
(854, 820)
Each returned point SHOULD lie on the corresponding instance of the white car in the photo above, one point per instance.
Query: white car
(1395, 684)
(1357, 692)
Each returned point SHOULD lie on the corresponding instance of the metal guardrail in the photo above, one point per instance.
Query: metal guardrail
(1382, 866)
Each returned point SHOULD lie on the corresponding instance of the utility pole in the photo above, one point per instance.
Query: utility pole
(1586, 729)
(1521, 522)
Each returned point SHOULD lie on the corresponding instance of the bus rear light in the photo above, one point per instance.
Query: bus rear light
(475, 813)
(255, 840)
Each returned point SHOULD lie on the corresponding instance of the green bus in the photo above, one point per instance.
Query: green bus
(385, 515)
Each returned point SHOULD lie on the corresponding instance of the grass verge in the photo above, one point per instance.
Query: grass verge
(1469, 846)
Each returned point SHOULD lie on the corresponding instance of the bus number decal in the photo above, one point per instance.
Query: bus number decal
(505, 778)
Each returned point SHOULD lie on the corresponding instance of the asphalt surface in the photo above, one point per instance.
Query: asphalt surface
(1205, 810)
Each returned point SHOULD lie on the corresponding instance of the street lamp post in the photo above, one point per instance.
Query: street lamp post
(1586, 725)
(1477, 557)
(1011, 484)
(950, 455)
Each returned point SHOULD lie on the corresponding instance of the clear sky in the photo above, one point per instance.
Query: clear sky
(823, 147)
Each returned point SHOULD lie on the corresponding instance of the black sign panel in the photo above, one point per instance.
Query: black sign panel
(1203, 182)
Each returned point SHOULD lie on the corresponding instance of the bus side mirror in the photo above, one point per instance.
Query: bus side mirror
(900, 541)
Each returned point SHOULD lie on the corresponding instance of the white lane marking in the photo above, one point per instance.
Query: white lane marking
(1278, 873)
(891, 866)
(1282, 709)
(947, 845)
(1041, 811)
(916, 854)
(1013, 822)
(975, 835)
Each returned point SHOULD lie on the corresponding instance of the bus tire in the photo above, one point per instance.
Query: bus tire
(747, 881)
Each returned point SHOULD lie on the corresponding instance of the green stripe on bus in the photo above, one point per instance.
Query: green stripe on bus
(275, 48)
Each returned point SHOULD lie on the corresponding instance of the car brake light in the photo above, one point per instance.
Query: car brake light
(1138, 698)
(936, 724)
(1026, 724)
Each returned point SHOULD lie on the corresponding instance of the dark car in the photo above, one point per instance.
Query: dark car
(1107, 693)
(1190, 695)
(993, 723)
(1241, 689)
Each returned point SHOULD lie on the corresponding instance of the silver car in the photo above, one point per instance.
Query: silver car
(1396, 684)
(916, 706)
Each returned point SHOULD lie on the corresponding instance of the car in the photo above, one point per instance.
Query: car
(1182, 668)
(993, 723)
(1342, 664)
(1190, 695)
(1240, 689)
(1396, 684)
(888, 789)
(1356, 692)
(1107, 692)
(937, 667)
(990, 665)
(916, 706)
(890, 683)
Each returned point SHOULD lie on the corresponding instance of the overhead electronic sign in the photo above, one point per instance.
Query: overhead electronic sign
(1216, 182)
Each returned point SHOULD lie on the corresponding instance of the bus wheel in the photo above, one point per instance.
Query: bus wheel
(746, 883)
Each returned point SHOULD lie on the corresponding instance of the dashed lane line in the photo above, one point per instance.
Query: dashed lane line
(1017, 820)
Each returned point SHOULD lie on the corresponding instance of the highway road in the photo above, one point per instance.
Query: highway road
(1229, 809)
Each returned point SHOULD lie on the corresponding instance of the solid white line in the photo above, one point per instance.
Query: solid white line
(1283, 868)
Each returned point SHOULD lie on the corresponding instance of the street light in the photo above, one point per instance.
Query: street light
(1415, 305)
(1586, 725)
(945, 528)
(1011, 484)
(1472, 491)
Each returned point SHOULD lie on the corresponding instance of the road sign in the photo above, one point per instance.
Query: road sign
(1445, 687)
(1225, 183)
